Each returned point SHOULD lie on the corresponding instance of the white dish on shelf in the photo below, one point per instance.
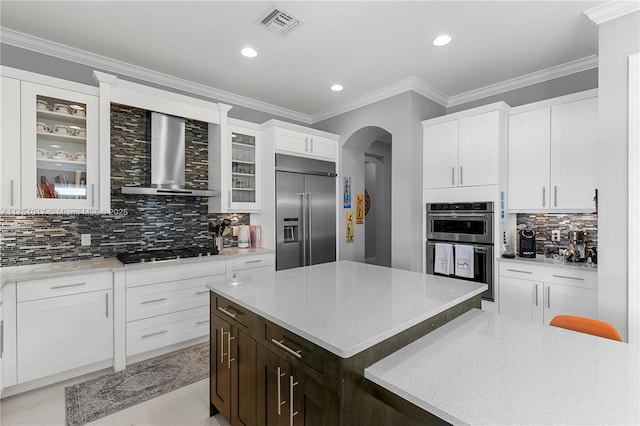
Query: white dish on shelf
(62, 108)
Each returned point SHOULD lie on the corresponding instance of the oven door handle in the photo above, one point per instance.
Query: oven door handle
(457, 215)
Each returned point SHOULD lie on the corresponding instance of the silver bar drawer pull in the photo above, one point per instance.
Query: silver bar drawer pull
(253, 261)
(453, 172)
(536, 294)
(222, 354)
(280, 401)
(153, 301)
(549, 297)
(519, 271)
(154, 334)
(569, 278)
(544, 196)
(461, 181)
(281, 345)
(202, 322)
(106, 299)
(229, 359)
(55, 287)
(202, 292)
(292, 384)
(11, 192)
(226, 311)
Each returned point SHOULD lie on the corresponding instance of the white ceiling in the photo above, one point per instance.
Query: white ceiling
(364, 45)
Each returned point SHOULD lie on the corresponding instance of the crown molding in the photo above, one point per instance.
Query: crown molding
(411, 83)
(61, 51)
(64, 52)
(611, 10)
(526, 80)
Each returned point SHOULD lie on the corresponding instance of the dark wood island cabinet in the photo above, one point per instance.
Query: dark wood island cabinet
(269, 371)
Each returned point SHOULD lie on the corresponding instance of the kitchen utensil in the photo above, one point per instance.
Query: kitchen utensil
(42, 105)
(61, 155)
(43, 153)
(43, 127)
(62, 130)
(62, 108)
(578, 244)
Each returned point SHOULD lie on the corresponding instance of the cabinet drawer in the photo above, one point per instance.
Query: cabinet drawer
(159, 273)
(158, 299)
(234, 314)
(253, 271)
(249, 262)
(164, 330)
(573, 278)
(295, 346)
(62, 286)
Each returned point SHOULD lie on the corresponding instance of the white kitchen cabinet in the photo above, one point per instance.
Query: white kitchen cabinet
(538, 293)
(305, 144)
(250, 265)
(72, 330)
(50, 144)
(10, 144)
(168, 304)
(552, 156)
(239, 177)
(464, 150)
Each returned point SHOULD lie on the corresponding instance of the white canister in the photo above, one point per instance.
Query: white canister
(243, 236)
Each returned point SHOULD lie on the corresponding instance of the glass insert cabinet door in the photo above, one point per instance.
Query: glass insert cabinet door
(245, 167)
(59, 148)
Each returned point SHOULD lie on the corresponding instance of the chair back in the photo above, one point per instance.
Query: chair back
(586, 325)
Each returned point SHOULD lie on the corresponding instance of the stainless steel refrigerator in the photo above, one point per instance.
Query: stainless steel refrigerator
(305, 212)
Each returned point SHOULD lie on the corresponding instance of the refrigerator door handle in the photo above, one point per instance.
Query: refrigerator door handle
(304, 227)
(310, 237)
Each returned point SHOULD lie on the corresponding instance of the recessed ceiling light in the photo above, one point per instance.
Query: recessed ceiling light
(337, 87)
(442, 40)
(249, 52)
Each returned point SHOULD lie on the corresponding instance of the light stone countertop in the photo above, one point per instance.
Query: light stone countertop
(485, 368)
(547, 261)
(346, 307)
(48, 270)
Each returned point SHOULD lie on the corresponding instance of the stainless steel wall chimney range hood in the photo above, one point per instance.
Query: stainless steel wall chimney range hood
(167, 160)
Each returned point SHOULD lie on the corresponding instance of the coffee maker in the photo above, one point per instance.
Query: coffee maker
(577, 248)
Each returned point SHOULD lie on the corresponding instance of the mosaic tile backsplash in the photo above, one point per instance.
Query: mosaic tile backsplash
(150, 222)
(543, 224)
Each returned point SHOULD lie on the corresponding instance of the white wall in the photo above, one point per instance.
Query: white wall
(402, 116)
(618, 39)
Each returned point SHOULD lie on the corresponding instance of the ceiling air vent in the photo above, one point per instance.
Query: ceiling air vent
(279, 20)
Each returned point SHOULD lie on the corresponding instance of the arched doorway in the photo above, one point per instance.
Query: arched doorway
(366, 159)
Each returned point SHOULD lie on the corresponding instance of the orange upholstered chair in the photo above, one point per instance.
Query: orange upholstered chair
(586, 325)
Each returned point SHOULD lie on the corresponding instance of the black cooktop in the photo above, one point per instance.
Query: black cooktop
(163, 254)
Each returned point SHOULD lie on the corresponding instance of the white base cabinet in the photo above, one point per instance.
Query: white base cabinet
(538, 294)
(63, 324)
(250, 265)
(64, 333)
(168, 304)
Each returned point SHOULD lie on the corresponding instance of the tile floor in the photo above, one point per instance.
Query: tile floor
(187, 406)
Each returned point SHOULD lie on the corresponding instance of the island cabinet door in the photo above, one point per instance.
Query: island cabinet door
(314, 404)
(220, 366)
(273, 389)
(243, 378)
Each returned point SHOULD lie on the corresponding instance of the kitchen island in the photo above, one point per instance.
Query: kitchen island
(290, 347)
(486, 368)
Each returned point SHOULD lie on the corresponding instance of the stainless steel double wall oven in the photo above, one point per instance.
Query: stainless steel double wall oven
(468, 224)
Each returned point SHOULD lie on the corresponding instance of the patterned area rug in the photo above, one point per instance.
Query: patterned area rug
(104, 395)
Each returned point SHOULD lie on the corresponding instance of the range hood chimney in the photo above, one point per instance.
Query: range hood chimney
(167, 160)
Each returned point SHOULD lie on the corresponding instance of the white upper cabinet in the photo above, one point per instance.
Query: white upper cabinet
(574, 138)
(464, 150)
(529, 151)
(238, 174)
(50, 151)
(10, 144)
(440, 155)
(305, 144)
(552, 152)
